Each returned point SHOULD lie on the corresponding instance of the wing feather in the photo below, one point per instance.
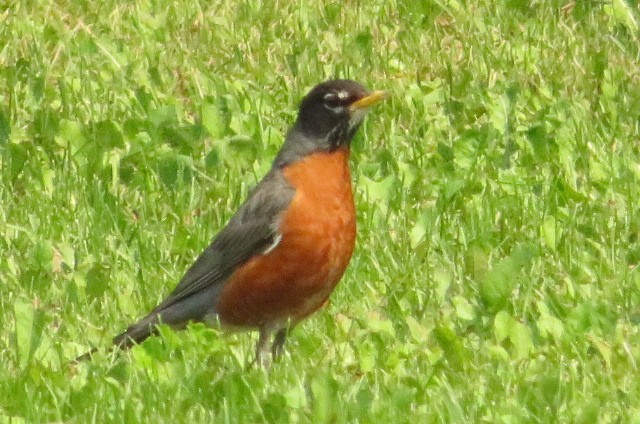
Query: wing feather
(252, 230)
(249, 232)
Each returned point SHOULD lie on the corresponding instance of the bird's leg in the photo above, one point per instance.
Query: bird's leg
(278, 343)
(262, 347)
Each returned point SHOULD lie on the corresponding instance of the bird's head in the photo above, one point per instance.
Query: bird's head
(328, 118)
(333, 110)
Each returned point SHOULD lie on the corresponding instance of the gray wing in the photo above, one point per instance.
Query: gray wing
(249, 232)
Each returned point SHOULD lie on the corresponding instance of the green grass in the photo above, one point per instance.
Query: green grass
(495, 277)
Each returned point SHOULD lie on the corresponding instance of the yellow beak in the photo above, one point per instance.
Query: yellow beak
(370, 100)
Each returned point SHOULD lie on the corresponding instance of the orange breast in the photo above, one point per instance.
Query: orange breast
(318, 237)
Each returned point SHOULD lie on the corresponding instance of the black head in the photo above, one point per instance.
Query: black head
(329, 116)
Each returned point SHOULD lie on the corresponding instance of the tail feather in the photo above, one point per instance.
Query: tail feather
(137, 332)
(85, 356)
(177, 316)
(133, 335)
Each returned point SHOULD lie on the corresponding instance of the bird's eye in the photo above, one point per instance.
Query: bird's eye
(335, 101)
(331, 100)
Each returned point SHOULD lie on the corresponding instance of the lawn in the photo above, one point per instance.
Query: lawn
(495, 278)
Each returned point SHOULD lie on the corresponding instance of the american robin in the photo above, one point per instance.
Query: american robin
(281, 255)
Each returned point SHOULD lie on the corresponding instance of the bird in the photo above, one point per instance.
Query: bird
(281, 255)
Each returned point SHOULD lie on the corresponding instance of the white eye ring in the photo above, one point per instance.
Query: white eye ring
(332, 97)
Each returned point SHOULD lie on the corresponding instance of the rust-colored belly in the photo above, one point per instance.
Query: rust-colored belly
(318, 237)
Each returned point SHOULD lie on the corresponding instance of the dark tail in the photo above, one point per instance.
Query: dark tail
(135, 334)
(176, 315)
(84, 357)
